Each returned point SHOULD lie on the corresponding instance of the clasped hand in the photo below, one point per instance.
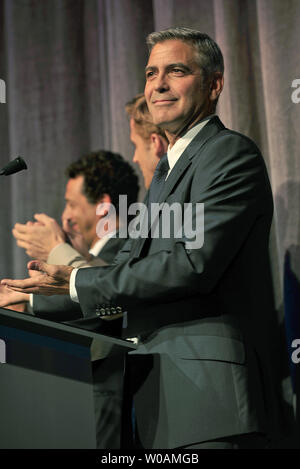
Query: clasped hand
(48, 280)
(39, 238)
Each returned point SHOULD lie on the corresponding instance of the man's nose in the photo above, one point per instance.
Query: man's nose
(66, 215)
(161, 83)
(135, 158)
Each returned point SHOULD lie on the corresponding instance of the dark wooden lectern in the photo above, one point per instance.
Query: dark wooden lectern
(46, 391)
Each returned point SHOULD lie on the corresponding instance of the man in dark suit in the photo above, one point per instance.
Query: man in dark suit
(92, 180)
(202, 307)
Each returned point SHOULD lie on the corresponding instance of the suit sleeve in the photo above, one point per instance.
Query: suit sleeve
(61, 307)
(64, 254)
(230, 179)
(56, 308)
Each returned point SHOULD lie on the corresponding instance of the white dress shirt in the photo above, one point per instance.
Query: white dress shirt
(181, 144)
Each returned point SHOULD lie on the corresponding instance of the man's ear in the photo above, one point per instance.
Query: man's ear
(108, 220)
(216, 86)
(105, 199)
(160, 145)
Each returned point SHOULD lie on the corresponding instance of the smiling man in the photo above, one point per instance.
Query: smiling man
(202, 375)
(99, 176)
(177, 93)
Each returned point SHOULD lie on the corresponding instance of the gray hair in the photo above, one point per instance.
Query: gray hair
(209, 55)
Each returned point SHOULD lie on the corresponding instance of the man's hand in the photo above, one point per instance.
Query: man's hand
(38, 239)
(51, 280)
(9, 298)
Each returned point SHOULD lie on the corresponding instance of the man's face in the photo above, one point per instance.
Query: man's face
(79, 212)
(174, 90)
(144, 154)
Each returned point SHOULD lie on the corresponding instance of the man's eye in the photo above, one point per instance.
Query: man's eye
(149, 75)
(177, 71)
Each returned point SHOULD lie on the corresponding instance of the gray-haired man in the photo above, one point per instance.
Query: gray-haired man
(201, 376)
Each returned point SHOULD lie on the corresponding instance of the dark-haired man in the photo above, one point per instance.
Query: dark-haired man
(95, 178)
(98, 177)
(202, 375)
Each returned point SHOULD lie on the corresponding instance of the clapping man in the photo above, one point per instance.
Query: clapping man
(203, 311)
(95, 178)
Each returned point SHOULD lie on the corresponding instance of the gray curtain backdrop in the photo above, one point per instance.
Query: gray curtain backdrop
(71, 65)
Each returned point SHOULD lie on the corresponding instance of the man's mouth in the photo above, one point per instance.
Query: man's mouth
(161, 102)
(74, 226)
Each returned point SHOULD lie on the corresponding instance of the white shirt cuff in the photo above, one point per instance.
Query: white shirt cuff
(73, 291)
(31, 299)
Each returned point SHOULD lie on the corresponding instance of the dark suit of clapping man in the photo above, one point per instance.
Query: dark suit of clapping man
(201, 376)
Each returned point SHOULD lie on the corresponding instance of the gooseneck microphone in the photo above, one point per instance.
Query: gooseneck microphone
(13, 166)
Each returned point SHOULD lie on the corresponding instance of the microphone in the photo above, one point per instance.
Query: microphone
(13, 166)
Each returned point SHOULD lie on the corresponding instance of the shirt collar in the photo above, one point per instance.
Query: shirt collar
(99, 245)
(181, 144)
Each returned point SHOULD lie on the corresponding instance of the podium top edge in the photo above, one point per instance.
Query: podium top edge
(55, 329)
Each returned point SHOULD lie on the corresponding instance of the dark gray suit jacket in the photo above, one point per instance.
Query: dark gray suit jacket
(205, 316)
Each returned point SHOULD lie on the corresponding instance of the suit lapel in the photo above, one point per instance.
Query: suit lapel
(213, 126)
(111, 249)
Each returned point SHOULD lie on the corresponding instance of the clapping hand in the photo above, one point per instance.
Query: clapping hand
(48, 280)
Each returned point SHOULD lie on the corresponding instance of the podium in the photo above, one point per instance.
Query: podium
(46, 388)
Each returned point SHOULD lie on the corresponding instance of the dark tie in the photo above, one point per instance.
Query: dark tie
(158, 180)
